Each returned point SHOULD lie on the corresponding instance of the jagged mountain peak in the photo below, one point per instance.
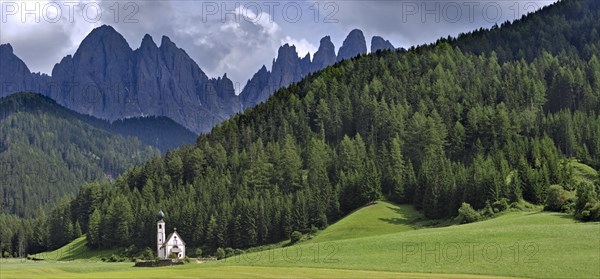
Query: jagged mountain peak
(353, 45)
(379, 43)
(325, 55)
(166, 42)
(6, 48)
(105, 34)
(148, 42)
(286, 50)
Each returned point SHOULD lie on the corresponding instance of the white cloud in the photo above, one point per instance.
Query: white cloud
(302, 46)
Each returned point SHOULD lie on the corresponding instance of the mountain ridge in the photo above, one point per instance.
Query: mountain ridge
(108, 79)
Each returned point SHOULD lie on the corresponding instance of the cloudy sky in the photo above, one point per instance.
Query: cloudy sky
(238, 37)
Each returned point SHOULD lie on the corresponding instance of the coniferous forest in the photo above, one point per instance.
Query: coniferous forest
(48, 152)
(486, 119)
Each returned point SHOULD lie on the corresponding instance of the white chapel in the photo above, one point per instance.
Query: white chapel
(171, 244)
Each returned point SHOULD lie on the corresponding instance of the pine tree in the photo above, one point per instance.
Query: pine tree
(77, 230)
(211, 231)
(395, 172)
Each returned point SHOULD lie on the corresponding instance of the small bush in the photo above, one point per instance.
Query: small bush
(130, 251)
(229, 252)
(590, 212)
(522, 206)
(146, 254)
(487, 211)
(466, 214)
(556, 199)
(220, 254)
(186, 259)
(500, 206)
(115, 259)
(238, 251)
(198, 253)
(295, 236)
(516, 205)
(313, 229)
(586, 193)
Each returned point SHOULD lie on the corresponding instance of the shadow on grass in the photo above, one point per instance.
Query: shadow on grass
(417, 222)
(401, 219)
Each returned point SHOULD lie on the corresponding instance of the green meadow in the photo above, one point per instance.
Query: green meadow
(519, 244)
(382, 240)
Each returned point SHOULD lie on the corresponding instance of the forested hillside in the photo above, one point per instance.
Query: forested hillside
(435, 127)
(571, 26)
(47, 152)
(158, 131)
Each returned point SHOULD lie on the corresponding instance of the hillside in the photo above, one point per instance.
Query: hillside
(434, 127)
(570, 26)
(48, 152)
(377, 219)
(160, 132)
(75, 250)
(517, 244)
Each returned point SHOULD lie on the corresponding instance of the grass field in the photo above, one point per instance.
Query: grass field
(386, 241)
(522, 244)
(77, 249)
(83, 269)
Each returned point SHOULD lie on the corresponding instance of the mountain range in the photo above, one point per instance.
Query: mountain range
(107, 79)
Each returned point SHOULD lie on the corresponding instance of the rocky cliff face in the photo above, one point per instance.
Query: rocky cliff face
(107, 79)
(378, 43)
(255, 87)
(286, 69)
(289, 68)
(325, 55)
(15, 76)
(353, 45)
(92, 80)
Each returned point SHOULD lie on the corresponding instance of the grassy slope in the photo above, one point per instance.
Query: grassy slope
(77, 249)
(549, 245)
(378, 219)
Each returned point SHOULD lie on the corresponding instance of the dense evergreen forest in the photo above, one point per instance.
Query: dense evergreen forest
(46, 152)
(158, 131)
(435, 126)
